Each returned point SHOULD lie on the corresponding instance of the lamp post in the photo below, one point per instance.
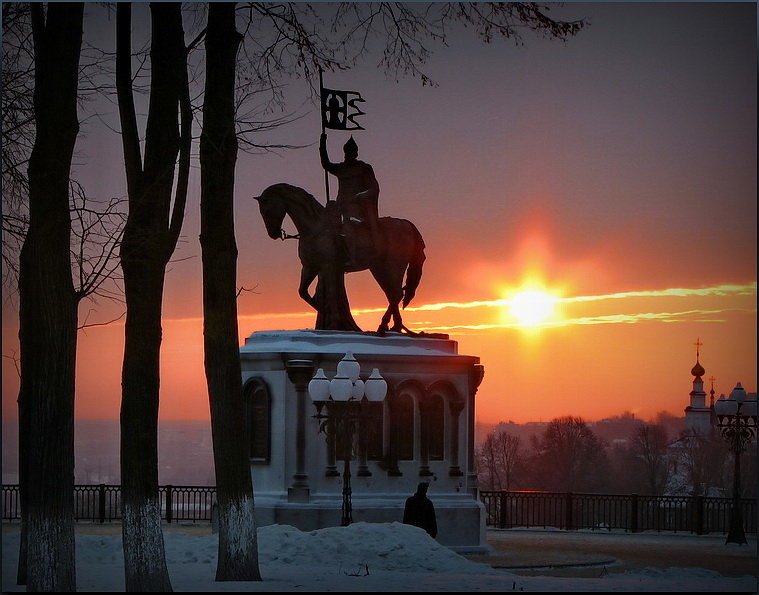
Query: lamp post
(736, 419)
(340, 410)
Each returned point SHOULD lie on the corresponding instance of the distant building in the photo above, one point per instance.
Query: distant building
(701, 459)
(700, 417)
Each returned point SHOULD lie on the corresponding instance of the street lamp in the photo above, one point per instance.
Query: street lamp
(340, 410)
(736, 419)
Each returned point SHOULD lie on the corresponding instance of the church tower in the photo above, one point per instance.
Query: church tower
(698, 414)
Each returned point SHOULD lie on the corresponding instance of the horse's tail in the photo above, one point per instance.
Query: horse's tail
(414, 270)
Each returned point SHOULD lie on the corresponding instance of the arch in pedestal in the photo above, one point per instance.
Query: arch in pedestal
(447, 405)
(403, 427)
(257, 403)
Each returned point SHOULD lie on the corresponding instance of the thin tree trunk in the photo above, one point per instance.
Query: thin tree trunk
(48, 310)
(238, 552)
(150, 237)
(144, 559)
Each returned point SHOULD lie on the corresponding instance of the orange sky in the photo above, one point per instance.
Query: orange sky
(613, 168)
(596, 356)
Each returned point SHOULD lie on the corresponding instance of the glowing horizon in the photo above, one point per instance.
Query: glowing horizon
(608, 319)
(717, 291)
(713, 291)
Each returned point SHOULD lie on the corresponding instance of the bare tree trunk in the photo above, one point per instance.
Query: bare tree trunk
(488, 456)
(150, 237)
(509, 447)
(238, 551)
(48, 310)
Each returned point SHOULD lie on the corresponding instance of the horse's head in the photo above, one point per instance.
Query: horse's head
(272, 208)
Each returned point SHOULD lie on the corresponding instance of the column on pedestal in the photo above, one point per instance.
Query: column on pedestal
(476, 374)
(438, 394)
(395, 409)
(425, 415)
(300, 373)
(456, 406)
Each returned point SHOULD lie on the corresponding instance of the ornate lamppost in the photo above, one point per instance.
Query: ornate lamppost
(736, 419)
(340, 408)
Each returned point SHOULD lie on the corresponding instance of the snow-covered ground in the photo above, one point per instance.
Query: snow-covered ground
(361, 557)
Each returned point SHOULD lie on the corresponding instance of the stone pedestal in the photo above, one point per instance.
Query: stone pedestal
(423, 431)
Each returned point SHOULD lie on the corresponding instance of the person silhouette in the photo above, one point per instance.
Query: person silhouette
(357, 195)
(420, 511)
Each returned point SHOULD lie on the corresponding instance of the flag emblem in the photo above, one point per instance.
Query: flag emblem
(339, 108)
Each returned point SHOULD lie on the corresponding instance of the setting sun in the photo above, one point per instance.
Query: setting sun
(532, 307)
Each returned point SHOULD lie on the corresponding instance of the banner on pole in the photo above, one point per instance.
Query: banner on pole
(339, 108)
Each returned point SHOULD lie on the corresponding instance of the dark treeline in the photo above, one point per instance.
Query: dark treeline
(617, 456)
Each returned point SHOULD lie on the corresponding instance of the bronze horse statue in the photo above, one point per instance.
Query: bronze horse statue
(400, 251)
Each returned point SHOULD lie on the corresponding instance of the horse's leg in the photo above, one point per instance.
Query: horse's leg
(397, 320)
(379, 277)
(390, 280)
(307, 276)
(383, 327)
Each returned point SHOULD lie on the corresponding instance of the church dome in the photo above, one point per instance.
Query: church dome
(698, 369)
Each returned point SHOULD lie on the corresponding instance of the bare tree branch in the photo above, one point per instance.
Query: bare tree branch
(242, 289)
(14, 358)
(85, 324)
(96, 231)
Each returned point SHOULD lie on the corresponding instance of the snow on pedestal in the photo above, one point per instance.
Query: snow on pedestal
(423, 431)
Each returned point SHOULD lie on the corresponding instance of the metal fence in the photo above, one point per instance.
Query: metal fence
(631, 512)
(505, 509)
(102, 503)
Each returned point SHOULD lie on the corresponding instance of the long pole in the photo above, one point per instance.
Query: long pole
(347, 516)
(736, 533)
(321, 117)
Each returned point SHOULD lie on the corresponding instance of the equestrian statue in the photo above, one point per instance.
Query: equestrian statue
(347, 235)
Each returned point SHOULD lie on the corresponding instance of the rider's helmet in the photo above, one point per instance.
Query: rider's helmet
(351, 148)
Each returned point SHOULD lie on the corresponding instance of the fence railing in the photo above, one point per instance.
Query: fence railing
(630, 512)
(504, 509)
(102, 503)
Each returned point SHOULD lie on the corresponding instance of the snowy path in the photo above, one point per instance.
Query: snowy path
(398, 558)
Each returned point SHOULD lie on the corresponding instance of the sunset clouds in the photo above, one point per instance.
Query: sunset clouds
(733, 300)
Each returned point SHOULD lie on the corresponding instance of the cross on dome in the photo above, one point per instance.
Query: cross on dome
(698, 369)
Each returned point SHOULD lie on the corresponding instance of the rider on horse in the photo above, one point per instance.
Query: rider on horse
(357, 197)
